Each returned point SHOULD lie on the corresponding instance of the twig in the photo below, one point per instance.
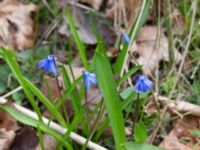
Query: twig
(79, 139)
(12, 92)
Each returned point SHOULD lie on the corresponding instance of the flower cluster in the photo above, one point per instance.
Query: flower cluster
(143, 84)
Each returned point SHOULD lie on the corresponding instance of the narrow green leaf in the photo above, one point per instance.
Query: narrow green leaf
(45, 101)
(80, 45)
(109, 92)
(140, 132)
(10, 60)
(138, 146)
(129, 73)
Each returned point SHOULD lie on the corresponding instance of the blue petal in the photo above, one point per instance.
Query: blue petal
(87, 83)
(42, 63)
(53, 68)
(137, 87)
(47, 67)
(125, 38)
(92, 78)
(143, 84)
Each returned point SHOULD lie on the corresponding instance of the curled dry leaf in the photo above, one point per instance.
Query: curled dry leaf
(16, 24)
(146, 51)
(7, 121)
(49, 143)
(26, 139)
(96, 4)
(179, 22)
(6, 138)
(181, 132)
(174, 106)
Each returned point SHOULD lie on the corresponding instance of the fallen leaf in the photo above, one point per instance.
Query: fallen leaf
(181, 132)
(7, 121)
(83, 24)
(179, 22)
(17, 27)
(96, 4)
(26, 139)
(6, 138)
(145, 49)
(49, 143)
(50, 88)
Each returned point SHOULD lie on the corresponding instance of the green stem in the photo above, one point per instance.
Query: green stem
(137, 109)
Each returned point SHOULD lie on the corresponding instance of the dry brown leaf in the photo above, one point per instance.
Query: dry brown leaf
(179, 22)
(84, 28)
(6, 138)
(147, 53)
(49, 143)
(50, 88)
(181, 132)
(96, 4)
(174, 106)
(26, 139)
(7, 121)
(16, 24)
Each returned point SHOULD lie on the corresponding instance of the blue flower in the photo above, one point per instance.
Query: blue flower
(125, 38)
(143, 84)
(88, 78)
(48, 63)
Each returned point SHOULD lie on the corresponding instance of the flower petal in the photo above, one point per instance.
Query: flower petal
(92, 78)
(53, 68)
(125, 38)
(42, 63)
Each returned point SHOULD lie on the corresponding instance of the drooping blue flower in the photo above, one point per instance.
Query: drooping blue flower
(125, 38)
(48, 63)
(143, 84)
(88, 78)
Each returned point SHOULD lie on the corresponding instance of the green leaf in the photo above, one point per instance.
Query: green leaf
(80, 45)
(138, 146)
(109, 92)
(140, 132)
(46, 102)
(195, 133)
(9, 57)
(129, 73)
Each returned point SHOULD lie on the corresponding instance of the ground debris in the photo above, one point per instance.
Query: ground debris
(16, 24)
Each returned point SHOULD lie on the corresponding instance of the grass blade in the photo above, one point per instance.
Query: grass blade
(109, 92)
(80, 45)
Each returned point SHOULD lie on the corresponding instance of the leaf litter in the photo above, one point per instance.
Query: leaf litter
(18, 29)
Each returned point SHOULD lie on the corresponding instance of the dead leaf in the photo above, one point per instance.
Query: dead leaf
(7, 121)
(17, 27)
(26, 139)
(50, 88)
(96, 4)
(6, 138)
(49, 143)
(84, 28)
(179, 22)
(145, 48)
(181, 132)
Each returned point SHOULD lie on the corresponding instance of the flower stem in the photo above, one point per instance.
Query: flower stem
(137, 109)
